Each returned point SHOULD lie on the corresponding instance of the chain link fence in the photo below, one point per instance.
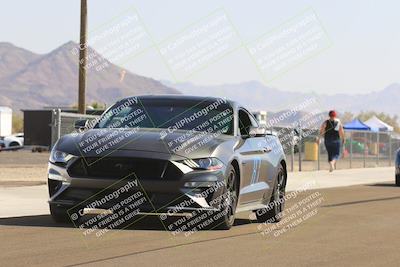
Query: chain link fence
(362, 149)
(64, 123)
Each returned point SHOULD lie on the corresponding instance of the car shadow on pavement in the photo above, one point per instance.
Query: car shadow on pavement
(384, 185)
(35, 221)
(147, 223)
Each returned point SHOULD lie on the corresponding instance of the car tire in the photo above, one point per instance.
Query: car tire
(59, 214)
(13, 144)
(398, 180)
(229, 207)
(273, 213)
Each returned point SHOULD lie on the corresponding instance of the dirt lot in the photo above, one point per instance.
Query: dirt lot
(23, 167)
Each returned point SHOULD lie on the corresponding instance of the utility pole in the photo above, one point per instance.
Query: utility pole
(82, 58)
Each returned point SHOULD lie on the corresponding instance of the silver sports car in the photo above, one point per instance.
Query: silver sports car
(184, 155)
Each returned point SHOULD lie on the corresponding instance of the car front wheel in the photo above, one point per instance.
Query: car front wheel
(398, 179)
(59, 214)
(227, 213)
(276, 205)
(13, 144)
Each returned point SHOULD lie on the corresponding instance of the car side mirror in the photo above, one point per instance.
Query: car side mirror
(81, 125)
(257, 131)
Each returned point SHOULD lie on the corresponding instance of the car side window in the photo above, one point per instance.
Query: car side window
(245, 122)
(253, 120)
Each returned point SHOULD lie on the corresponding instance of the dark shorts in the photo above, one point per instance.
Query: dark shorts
(333, 148)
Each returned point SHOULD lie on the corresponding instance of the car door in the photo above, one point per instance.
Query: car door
(253, 162)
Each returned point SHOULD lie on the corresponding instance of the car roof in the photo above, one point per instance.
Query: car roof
(183, 98)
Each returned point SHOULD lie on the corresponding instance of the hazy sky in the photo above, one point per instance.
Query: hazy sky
(364, 55)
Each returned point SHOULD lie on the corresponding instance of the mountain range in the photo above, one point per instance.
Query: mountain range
(257, 96)
(29, 81)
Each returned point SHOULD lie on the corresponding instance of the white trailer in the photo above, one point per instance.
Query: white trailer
(5, 121)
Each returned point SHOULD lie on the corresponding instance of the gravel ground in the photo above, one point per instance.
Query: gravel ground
(23, 158)
(22, 167)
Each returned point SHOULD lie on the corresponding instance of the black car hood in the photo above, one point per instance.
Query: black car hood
(104, 142)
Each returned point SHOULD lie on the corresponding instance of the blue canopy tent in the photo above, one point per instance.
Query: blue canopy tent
(372, 126)
(377, 125)
(356, 125)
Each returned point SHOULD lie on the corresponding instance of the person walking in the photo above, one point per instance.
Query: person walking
(333, 133)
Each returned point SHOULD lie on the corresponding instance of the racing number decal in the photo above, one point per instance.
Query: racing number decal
(256, 170)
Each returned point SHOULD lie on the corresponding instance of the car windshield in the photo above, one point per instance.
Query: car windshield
(214, 115)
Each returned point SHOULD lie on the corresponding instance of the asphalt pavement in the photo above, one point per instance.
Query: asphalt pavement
(341, 226)
(21, 198)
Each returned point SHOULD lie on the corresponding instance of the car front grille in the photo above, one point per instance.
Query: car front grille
(118, 168)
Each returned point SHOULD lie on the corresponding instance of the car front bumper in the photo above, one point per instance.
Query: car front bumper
(193, 191)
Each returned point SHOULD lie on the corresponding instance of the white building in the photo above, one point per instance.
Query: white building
(261, 116)
(5, 121)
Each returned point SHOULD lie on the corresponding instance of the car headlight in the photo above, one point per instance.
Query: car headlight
(204, 163)
(59, 157)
